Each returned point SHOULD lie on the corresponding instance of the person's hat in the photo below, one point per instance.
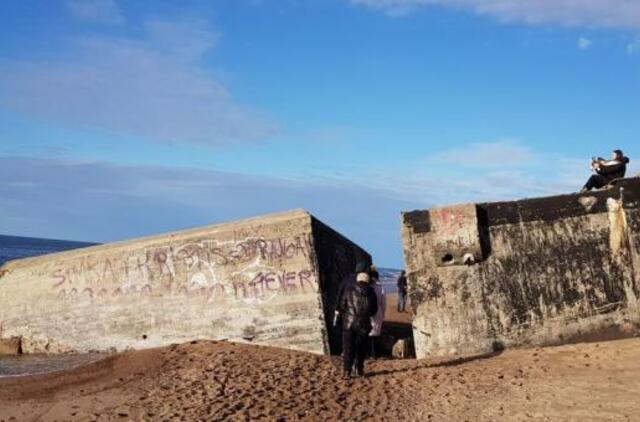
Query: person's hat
(362, 278)
(618, 152)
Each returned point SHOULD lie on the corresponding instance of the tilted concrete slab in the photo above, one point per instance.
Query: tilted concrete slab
(532, 272)
(269, 280)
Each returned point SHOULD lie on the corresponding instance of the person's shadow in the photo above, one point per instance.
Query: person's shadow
(425, 365)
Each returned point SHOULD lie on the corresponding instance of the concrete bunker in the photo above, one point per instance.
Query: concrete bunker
(269, 280)
(540, 271)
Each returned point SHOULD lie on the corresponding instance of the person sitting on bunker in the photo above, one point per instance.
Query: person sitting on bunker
(358, 303)
(607, 171)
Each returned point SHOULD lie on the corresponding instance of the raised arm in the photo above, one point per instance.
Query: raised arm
(610, 166)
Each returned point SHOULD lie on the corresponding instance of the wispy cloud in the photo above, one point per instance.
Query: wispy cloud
(589, 13)
(633, 46)
(439, 186)
(98, 11)
(103, 202)
(584, 43)
(153, 87)
(481, 172)
(501, 154)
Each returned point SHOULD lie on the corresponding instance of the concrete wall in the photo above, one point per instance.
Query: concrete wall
(256, 280)
(533, 272)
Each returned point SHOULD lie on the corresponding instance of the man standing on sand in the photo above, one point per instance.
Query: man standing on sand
(402, 291)
(357, 305)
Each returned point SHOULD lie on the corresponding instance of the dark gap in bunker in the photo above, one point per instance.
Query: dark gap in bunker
(337, 257)
(419, 221)
(483, 231)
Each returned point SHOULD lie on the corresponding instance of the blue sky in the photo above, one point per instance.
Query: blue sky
(121, 119)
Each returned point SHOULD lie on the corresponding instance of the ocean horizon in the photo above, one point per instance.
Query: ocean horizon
(16, 247)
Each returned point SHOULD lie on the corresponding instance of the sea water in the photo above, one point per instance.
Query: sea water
(14, 247)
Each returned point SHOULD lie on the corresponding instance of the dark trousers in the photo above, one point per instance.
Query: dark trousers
(402, 300)
(597, 181)
(354, 350)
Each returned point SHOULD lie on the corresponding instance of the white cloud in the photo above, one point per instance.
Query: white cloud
(439, 186)
(100, 11)
(633, 47)
(153, 87)
(590, 13)
(98, 201)
(584, 43)
(476, 172)
(499, 154)
(497, 171)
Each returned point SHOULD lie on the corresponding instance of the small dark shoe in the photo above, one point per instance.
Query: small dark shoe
(359, 374)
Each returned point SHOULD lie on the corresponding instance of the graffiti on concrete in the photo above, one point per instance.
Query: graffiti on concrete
(251, 270)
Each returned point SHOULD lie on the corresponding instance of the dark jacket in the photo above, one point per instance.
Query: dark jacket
(361, 266)
(402, 283)
(614, 169)
(358, 305)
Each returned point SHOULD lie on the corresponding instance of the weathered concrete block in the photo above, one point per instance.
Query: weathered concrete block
(269, 280)
(545, 271)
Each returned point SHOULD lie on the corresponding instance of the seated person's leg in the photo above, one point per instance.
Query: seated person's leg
(596, 181)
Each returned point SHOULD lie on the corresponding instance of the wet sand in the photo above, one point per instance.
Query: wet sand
(15, 366)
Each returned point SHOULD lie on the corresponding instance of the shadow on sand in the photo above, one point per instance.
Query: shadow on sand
(447, 363)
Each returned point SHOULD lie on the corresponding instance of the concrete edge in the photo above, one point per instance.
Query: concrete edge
(602, 194)
(634, 179)
(8, 266)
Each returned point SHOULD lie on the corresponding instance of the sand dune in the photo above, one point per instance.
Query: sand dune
(208, 380)
(218, 380)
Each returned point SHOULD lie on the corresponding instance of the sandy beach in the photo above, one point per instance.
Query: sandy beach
(217, 381)
(391, 312)
(207, 380)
